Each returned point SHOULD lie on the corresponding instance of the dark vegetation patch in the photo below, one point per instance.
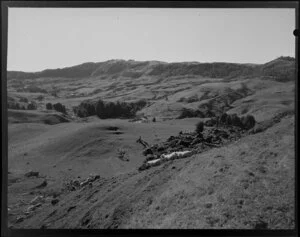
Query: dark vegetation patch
(112, 128)
(105, 109)
(219, 131)
(215, 105)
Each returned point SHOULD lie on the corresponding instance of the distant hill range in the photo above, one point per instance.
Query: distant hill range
(282, 69)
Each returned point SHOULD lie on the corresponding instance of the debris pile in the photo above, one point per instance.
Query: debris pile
(75, 184)
(218, 131)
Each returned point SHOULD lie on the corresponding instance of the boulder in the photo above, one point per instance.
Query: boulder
(32, 174)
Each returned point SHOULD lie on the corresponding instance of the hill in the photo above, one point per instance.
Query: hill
(281, 67)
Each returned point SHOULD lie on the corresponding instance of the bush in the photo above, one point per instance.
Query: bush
(59, 107)
(32, 106)
(199, 127)
(189, 113)
(118, 109)
(24, 100)
(49, 106)
(248, 122)
(40, 98)
(85, 109)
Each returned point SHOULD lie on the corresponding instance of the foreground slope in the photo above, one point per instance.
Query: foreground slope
(247, 184)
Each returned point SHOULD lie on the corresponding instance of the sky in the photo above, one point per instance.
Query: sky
(41, 38)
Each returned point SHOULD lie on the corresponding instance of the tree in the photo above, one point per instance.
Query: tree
(49, 106)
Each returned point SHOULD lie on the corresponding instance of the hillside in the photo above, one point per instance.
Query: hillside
(70, 169)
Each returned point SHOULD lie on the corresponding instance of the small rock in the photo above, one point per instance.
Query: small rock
(43, 184)
(260, 225)
(54, 201)
(32, 174)
(19, 219)
(33, 207)
(208, 205)
(37, 199)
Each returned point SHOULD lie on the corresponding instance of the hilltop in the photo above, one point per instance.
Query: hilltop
(136, 69)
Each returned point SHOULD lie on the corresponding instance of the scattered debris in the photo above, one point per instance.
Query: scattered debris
(122, 155)
(90, 179)
(75, 184)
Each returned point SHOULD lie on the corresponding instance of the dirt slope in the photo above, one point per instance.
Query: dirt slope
(246, 184)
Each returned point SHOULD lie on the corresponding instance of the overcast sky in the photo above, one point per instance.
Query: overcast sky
(40, 38)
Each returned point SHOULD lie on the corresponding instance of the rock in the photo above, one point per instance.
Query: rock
(37, 199)
(54, 201)
(33, 207)
(19, 219)
(32, 174)
(43, 184)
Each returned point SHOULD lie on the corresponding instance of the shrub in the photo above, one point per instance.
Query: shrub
(24, 100)
(199, 127)
(32, 106)
(248, 122)
(189, 113)
(85, 109)
(40, 98)
(48, 106)
(118, 109)
(59, 107)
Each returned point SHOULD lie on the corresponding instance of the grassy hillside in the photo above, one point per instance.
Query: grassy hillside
(244, 183)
